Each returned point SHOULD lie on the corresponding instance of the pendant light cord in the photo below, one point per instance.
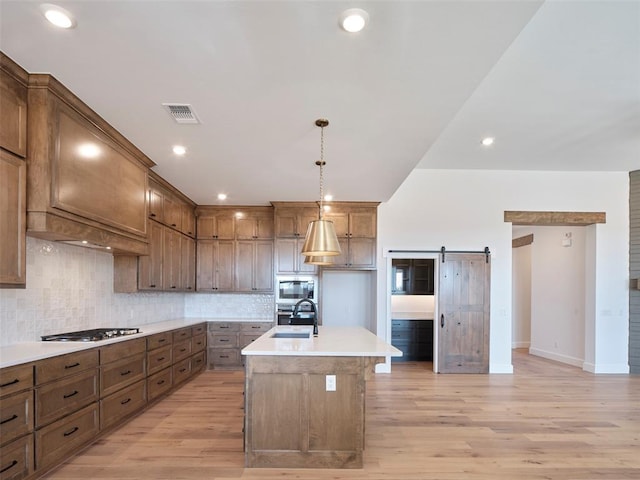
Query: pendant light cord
(321, 172)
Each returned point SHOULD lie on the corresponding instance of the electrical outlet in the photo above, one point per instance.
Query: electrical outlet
(331, 383)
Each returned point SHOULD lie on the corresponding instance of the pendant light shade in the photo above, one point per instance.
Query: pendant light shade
(321, 261)
(321, 239)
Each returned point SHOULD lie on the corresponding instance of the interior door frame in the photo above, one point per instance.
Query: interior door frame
(390, 255)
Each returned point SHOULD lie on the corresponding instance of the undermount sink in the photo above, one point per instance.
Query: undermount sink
(291, 335)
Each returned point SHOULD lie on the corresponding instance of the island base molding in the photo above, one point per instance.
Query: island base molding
(292, 421)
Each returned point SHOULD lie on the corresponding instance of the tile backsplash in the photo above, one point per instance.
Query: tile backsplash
(71, 288)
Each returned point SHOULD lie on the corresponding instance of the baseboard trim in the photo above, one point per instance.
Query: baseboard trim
(520, 345)
(576, 362)
(611, 369)
(501, 368)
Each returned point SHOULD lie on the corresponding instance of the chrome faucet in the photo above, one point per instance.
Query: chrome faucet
(313, 309)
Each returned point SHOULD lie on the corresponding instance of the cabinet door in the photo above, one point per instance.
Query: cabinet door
(221, 226)
(264, 227)
(263, 267)
(254, 228)
(13, 121)
(362, 253)
(340, 223)
(362, 224)
(172, 256)
(12, 218)
(188, 222)
(244, 266)
(156, 205)
(289, 260)
(172, 212)
(205, 265)
(150, 266)
(286, 222)
(215, 266)
(188, 263)
(225, 266)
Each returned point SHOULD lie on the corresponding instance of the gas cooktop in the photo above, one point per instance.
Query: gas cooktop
(90, 335)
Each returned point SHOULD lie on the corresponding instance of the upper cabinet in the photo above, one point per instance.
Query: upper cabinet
(412, 276)
(170, 207)
(13, 170)
(85, 181)
(291, 223)
(356, 226)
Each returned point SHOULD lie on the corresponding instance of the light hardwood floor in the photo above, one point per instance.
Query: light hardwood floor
(547, 421)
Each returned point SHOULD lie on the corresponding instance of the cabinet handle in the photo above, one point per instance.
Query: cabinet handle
(173, 286)
(162, 340)
(224, 356)
(13, 417)
(182, 370)
(13, 464)
(125, 373)
(183, 350)
(173, 225)
(152, 286)
(124, 402)
(160, 359)
(71, 432)
(442, 321)
(73, 365)
(75, 392)
(152, 214)
(222, 340)
(255, 326)
(160, 382)
(12, 382)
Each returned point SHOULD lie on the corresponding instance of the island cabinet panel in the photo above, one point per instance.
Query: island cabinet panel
(17, 459)
(58, 440)
(85, 181)
(292, 421)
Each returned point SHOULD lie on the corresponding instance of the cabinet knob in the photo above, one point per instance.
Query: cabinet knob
(152, 214)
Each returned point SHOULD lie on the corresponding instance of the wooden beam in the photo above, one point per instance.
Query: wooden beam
(555, 218)
(522, 241)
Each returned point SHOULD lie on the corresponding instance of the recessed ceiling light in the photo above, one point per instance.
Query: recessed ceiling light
(58, 16)
(353, 20)
(222, 196)
(179, 150)
(487, 141)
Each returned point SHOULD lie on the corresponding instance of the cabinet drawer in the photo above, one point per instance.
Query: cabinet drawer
(158, 359)
(223, 358)
(159, 383)
(16, 416)
(224, 327)
(247, 338)
(121, 350)
(223, 341)
(117, 375)
(181, 349)
(16, 459)
(159, 340)
(65, 365)
(198, 329)
(57, 399)
(181, 334)
(199, 343)
(67, 435)
(15, 379)
(255, 327)
(122, 404)
(198, 362)
(181, 371)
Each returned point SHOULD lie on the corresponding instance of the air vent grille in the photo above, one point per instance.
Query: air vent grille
(181, 113)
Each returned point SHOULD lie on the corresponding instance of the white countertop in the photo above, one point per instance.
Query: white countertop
(31, 351)
(330, 342)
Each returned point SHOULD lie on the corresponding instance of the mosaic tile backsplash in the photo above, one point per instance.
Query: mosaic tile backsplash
(71, 288)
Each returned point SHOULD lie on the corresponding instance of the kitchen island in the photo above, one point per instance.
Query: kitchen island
(305, 397)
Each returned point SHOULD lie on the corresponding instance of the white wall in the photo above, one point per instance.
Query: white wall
(521, 297)
(348, 298)
(558, 294)
(464, 210)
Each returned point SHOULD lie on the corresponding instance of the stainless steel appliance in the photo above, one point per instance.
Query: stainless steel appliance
(292, 289)
(93, 335)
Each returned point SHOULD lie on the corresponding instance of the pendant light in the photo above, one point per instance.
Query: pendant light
(321, 239)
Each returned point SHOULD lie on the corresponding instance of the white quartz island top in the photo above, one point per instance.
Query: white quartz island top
(330, 342)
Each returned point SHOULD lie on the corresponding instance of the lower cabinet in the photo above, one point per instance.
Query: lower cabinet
(54, 407)
(414, 338)
(227, 339)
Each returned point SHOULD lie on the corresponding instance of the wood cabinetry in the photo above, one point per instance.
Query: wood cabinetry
(356, 226)
(17, 422)
(53, 407)
(291, 222)
(85, 181)
(414, 338)
(234, 249)
(170, 207)
(148, 269)
(215, 265)
(13, 174)
(412, 276)
(227, 339)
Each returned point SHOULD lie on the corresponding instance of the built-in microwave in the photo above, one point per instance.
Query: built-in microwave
(294, 288)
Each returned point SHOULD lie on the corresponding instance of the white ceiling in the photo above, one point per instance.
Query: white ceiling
(557, 83)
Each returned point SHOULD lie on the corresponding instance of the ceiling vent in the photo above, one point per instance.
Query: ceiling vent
(181, 113)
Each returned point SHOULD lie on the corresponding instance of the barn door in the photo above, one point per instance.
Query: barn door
(463, 303)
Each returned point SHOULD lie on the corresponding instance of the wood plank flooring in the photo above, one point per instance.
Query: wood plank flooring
(547, 421)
